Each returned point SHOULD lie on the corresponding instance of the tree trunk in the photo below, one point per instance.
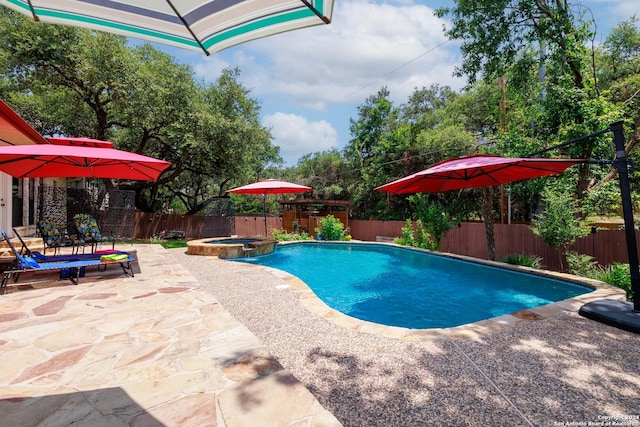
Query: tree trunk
(487, 214)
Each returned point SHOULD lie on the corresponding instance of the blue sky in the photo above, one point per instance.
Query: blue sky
(310, 82)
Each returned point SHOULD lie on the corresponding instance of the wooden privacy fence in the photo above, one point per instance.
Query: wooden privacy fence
(254, 225)
(606, 246)
(149, 225)
(194, 226)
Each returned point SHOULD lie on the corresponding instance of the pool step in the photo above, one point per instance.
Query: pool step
(248, 251)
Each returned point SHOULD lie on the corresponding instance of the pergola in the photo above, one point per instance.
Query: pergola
(305, 214)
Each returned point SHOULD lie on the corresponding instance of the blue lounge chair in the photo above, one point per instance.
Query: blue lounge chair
(71, 270)
(25, 250)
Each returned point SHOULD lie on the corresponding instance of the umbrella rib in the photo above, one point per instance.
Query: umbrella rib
(186, 25)
(6, 141)
(538, 168)
(317, 12)
(33, 11)
(39, 166)
(109, 163)
(488, 175)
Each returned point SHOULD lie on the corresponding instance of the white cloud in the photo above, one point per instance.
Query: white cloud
(297, 136)
(613, 10)
(627, 9)
(367, 46)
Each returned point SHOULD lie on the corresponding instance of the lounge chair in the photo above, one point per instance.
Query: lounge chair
(89, 233)
(71, 270)
(25, 250)
(52, 237)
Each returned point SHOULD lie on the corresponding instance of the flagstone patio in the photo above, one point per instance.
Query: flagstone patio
(155, 349)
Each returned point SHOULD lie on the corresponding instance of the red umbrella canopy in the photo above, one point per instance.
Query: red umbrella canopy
(476, 171)
(60, 161)
(14, 130)
(86, 142)
(270, 186)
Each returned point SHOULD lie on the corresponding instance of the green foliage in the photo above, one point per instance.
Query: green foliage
(331, 229)
(559, 225)
(252, 204)
(417, 238)
(156, 240)
(81, 216)
(434, 216)
(603, 201)
(324, 172)
(523, 259)
(616, 274)
(406, 238)
(581, 264)
(283, 236)
(497, 35)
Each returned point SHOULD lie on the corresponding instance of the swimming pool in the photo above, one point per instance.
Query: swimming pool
(395, 286)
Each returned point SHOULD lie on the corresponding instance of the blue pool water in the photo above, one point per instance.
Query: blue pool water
(412, 289)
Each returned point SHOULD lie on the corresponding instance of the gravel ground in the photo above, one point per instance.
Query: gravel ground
(566, 370)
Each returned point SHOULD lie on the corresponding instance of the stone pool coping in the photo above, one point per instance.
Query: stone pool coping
(314, 304)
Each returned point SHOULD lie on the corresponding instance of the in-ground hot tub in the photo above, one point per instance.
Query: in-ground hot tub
(231, 247)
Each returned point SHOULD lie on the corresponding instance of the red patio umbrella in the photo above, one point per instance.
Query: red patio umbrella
(14, 130)
(269, 186)
(59, 161)
(476, 171)
(85, 142)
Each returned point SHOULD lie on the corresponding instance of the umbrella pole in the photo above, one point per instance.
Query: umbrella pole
(264, 198)
(627, 210)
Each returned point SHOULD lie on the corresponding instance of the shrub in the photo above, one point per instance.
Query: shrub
(283, 236)
(559, 224)
(331, 229)
(523, 259)
(406, 239)
(418, 238)
(616, 274)
(434, 215)
(581, 264)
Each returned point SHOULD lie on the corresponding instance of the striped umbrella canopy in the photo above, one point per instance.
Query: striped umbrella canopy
(207, 25)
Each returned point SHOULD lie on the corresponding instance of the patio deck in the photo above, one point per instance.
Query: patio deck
(152, 350)
(194, 340)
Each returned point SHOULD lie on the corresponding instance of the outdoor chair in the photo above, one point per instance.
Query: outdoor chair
(52, 238)
(89, 233)
(71, 270)
(25, 250)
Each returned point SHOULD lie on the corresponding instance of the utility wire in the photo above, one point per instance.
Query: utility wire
(444, 150)
(395, 69)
